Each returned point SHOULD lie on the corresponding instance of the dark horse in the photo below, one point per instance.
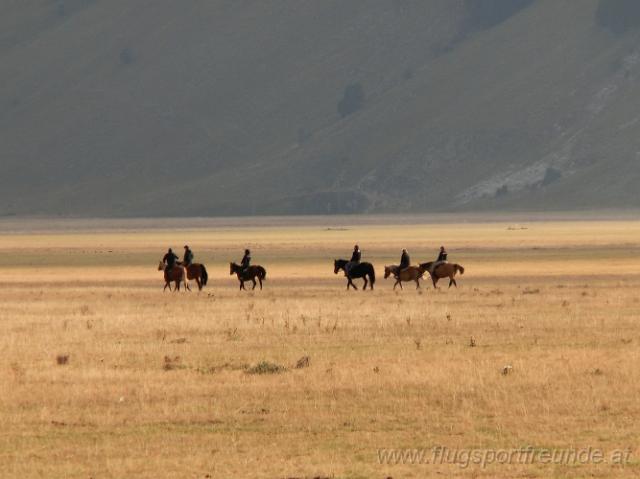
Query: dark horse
(360, 270)
(250, 274)
(443, 270)
(175, 275)
(198, 272)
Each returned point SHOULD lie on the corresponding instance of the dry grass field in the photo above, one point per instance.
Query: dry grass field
(104, 375)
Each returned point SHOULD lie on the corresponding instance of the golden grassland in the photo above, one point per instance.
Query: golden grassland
(160, 385)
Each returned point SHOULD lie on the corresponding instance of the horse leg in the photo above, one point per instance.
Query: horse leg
(241, 285)
(199, 284)
(453, 280)
(165, 287)
(417, 283)
(260, 280)
(352, 284)
(365, 283)
(254, 283)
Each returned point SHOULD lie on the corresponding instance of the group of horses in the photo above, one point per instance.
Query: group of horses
(367, 272)
(181, 274)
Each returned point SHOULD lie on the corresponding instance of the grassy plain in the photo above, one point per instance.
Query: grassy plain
(159, 385)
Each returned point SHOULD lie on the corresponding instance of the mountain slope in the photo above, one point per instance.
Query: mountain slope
(248, 107)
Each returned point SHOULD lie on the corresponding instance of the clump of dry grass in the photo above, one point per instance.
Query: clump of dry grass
(62, 359)
(171, 363)
(232, 334)
(222, 367)
(303, 362)
(266, 367)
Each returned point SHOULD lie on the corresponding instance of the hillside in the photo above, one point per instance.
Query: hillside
(155, 108)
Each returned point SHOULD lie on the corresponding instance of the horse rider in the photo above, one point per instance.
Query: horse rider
(187, 259)
(355, 260)
(405, 262)
(246, 261)
(442, 258)
(169, 260)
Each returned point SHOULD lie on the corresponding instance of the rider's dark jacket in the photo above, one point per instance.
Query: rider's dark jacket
(170, 259)
(405, 261)
(188, 257)
(355, 257)
(246, 261)
(442, 256)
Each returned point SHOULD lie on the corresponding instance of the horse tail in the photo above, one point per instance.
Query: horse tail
(204, 275)
(263, 273)
(459, 268)
(372, 275)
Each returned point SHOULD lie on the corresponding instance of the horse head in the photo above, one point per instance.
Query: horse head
(338, 264)
(390, 270)
(160, 266)
(426, 266)
(232, 268)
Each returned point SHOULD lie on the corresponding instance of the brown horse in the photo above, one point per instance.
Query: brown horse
(250, 274)
(176, 275)
(411, 273)
(198, 272)
(443, 270)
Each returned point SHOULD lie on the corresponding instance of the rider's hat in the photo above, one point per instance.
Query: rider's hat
(186, 247)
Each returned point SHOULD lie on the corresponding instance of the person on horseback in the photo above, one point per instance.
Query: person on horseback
(442, 258)
(355, 259)
(405, 262)
(187, 259)
(169, 260)
(246, 261)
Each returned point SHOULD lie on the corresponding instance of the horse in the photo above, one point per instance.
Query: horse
(443, 270)
(176, 275)
(410, 273)
(360, 270)
(198, 272)
(251, 273)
